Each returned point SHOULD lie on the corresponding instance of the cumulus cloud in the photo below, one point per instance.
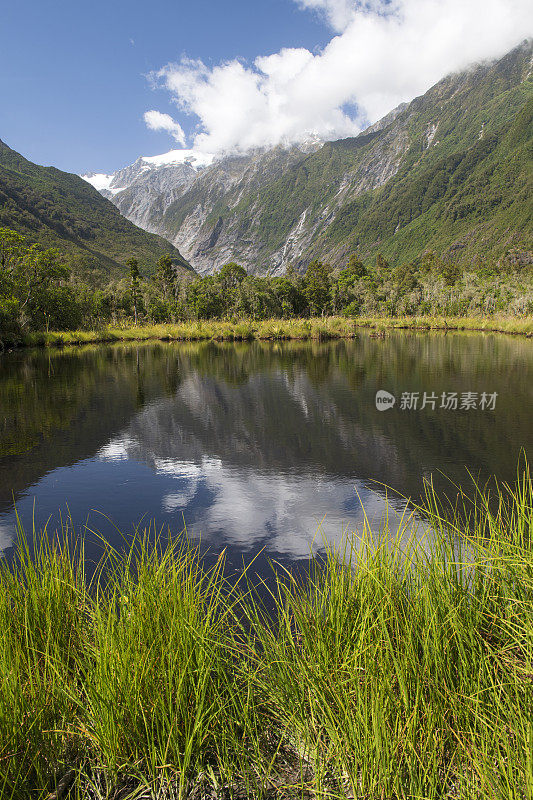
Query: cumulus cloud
(157, 121)
(384, 52)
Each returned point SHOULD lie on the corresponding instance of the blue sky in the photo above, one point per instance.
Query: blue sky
(73, 89)
(234, 75)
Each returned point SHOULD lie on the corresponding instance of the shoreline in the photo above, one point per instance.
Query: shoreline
(101, 678)
(316, 328)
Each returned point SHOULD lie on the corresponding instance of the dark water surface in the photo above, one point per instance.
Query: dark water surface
(252, 445)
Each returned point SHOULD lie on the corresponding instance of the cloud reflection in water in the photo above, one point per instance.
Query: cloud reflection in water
(251, 508)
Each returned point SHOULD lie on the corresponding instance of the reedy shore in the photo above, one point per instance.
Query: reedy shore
(402, 668)
(274, 329)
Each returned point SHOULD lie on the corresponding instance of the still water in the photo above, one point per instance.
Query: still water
(257, 447)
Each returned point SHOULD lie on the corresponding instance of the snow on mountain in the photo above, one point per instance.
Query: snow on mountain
(120, 180)
(99, 180)
(193, 158)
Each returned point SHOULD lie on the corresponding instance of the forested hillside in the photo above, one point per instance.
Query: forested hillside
(57, 209)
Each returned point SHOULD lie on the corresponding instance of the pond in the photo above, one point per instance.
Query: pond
(257, 447)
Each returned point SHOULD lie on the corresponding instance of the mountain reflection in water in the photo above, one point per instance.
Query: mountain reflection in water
(252, 445)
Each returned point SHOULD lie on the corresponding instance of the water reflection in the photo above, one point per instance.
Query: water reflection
(248, 509)
(254, 446)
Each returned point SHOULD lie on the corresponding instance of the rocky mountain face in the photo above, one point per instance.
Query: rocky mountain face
(191, 193)
(149, 194)
(450, 171)
(180, 166)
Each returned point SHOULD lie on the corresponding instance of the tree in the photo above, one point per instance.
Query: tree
(32, 283)
(231, 275)
(317, 287)
(13, 249)
(229, 278)
(382, 265)
(256, 298)
(290, 296)
(135, 277)
(406, 277)
(203, 299)
(166, 276)
(9, 317)
(343, 290)
(451, 273)
(50, 300)
(356, 267)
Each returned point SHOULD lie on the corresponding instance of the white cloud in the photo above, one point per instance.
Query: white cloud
(384, 53)
(157, 121)
(337, 12)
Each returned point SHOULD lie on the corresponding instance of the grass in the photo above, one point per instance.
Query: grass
(221, 330)
(401, 668)
(498, 324)
(276, 329)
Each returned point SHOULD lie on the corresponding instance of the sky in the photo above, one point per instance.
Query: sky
(92, 86)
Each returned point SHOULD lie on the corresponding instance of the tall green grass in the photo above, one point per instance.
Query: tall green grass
(497, 323)
(199, 330)
(274, 329)
(401, 667)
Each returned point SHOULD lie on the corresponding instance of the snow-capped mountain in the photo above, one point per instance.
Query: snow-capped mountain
(151, 183)
(145, 190)
(181, 165)
(416, 179)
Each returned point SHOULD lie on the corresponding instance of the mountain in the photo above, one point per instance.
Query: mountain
(151, 184)
(145, 190)
(57, 209)
(178, 166)
(451, 171)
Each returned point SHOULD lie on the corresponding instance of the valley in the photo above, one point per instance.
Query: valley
(451, 172)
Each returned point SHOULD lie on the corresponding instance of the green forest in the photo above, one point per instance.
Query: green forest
(40, 292)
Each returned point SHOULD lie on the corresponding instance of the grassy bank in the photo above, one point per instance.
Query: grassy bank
(276, 329)
(498, 324)
(220, 330)
(393, 673)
